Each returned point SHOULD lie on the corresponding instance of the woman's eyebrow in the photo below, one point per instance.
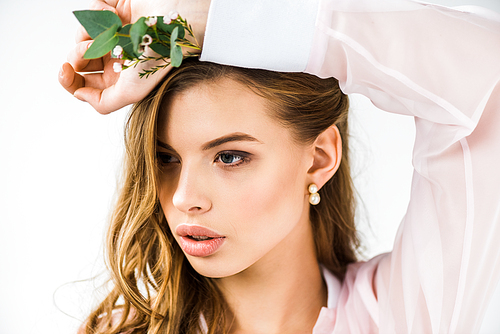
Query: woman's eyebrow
(237, 136)
(164, 145)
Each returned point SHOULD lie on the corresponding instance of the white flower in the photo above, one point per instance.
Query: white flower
(151, 21)
(117, 51)
(171, 16)
(146, 40)
(142, 48)
(117, 67)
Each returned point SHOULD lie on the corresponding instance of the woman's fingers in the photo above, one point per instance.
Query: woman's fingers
(90, 95)
(111, 91)
(88, 87)
(80, 64)
(104, 101)
(100, 92)
(115, 6)
(75, 56)
(104, 5)
(69, 79)
(101, 80)
(81, 35)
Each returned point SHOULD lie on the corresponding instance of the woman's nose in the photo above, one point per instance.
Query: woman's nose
(191, 194)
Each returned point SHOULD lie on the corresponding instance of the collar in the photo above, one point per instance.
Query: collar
(333, 287)
(327, 315)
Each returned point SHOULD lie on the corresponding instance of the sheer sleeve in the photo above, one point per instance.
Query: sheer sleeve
(442, 67)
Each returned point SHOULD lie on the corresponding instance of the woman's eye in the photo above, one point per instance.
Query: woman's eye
(165, 158)
(230, 159)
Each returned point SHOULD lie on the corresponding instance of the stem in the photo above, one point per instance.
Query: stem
(191, 46)
(156, 32)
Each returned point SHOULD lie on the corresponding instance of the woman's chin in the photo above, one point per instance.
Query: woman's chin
(213, 268)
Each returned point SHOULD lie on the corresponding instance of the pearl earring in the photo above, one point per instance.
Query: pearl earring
(313, 194)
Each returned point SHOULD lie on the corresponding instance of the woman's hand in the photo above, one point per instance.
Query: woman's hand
(106, 90)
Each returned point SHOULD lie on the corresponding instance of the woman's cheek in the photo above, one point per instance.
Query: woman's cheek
(271, 198)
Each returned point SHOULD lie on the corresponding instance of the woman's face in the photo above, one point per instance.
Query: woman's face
(233, 184)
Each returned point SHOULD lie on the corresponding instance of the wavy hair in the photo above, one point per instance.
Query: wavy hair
(155, 289)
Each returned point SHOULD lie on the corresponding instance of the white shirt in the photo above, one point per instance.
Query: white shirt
(440, 66)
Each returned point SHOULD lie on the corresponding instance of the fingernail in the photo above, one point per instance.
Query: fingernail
(61, 72)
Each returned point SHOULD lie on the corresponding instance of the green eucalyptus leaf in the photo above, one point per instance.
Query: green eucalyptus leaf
(126, 42)
(160, 49)
(176, 56)
(151, 32)
(125, 30)
(168, 28)
(164, 38)
(181, 31)
(175, 35)
(162, 26)
(103, 43)
(128, 47)
(97, 21)
(137, 31)
(176, 52)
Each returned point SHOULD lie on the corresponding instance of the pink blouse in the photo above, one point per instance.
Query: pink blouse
(442, 67)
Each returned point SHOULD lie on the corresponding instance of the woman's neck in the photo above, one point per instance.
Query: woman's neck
(281, 293)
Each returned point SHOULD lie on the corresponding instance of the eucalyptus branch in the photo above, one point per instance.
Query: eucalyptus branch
(165, 35)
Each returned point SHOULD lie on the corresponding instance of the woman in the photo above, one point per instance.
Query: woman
(443, 266)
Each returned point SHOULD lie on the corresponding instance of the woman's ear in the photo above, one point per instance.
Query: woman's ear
(326, 156)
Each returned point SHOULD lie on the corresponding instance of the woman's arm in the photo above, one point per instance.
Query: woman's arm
(441, 66)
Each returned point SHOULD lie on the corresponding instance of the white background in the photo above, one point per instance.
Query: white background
(59, 162)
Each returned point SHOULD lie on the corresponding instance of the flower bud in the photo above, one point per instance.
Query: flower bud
(173, 15)
(117, 51)
(117, 67)
(146, 40)
(151, 21)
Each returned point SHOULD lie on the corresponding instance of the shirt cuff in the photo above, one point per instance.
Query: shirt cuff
(274, 35)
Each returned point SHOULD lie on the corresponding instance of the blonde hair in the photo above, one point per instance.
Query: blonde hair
(155, 288)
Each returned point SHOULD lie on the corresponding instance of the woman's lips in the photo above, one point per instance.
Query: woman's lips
(199, 241)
